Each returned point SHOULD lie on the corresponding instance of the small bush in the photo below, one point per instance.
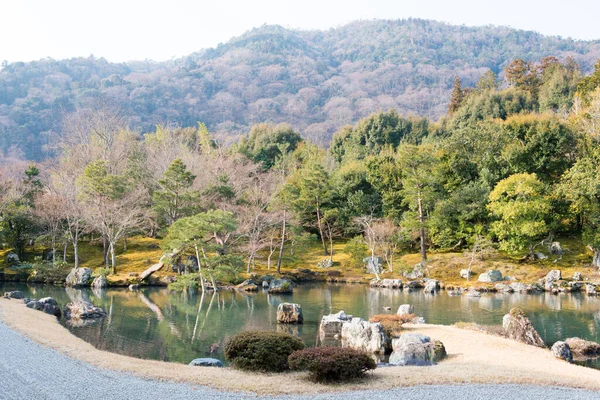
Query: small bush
(356, 249)
(102, 272)
(185, 282)
(262, 351)
(329, 364)
(392, 323)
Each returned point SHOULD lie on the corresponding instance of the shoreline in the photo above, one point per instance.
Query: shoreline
(473, 358)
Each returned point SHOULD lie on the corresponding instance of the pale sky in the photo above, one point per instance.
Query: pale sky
(122, 30)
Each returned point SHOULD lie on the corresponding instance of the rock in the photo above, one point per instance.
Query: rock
(412, 285)
(99, 282)
(83, 310)
(206, 362)
(556, 249)
(562, 350)
(416, 349)
(247, 286)
(289, 313)
(519, 328)
(363, 335)
(52, 310)
(518, 287)
(539, 255)
(373, 264)
(12, 258)
(36, 305)
(553, 276)
(492, 275)
(405, 309)
(416, 273)
(431, 286)
(390, 283)
(331, 325)
(575, 286)
(325, 263)
(79, 277)
(473, 293)
(15, 294)
(265, 285)
(48, 300)
(581, 348)
(133, 287)
(577, 276)
(590, 289)
(465, 274)
(501, 287)
(280, 286)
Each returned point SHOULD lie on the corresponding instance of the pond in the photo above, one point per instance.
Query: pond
(156, 323)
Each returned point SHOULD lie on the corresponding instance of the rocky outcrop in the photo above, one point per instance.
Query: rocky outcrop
(15, 294)
(206, 362)
(83, 310)
(562, 350)
(431, 286)
(247, 286)
(492, 275)
(280, 286)
(79, 277)
(405, 309)
(416, 349)
(582, 349)
(289, 313)
(364, 335)
(518, 327)
(99, 282)
(331, 325)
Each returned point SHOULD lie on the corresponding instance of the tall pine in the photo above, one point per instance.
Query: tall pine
(456, 97)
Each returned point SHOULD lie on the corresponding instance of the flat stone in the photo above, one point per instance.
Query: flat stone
(206, 362)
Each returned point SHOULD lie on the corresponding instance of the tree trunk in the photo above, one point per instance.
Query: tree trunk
(321, 228)
(113, 257)
(282, 243)
(596, 259)
(76, 253)
(65, 251)
(250, 259)
(125, 243)
(198, 257)
(422, 228)
(105, 250)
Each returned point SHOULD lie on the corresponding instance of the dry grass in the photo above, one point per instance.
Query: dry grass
(495, 330)
(473, 357)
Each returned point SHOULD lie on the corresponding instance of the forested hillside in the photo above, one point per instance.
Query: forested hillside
(317, 81)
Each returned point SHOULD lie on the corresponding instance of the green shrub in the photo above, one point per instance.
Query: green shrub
(357, 250)
(185, 282)
(102, 272)
(330, 364)
(262, 351)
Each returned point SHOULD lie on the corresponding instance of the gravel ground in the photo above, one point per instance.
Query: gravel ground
(31, 371)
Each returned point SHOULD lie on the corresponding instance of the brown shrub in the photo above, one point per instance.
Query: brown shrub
(392, 323)
(330, 364)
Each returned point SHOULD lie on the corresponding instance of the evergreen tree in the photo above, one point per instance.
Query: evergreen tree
(457, 96)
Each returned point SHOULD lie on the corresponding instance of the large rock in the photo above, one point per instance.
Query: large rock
(577, 276)
(519, 328)
(206, 362)
(581, 348)
(12, 258)
(83, 310)
(405, 309)
(99, 282)
(388, 283)
(563, 351)
(493, 275)
(431, 286)
(79, 277)
(556, 249)
(289, 313)
(373, 264)
(52, 309)
(591, 289)
(48, 300)
(416, 349)
(15, 294)
(518, 287)
(36, 305)
(331, 325)
(465, 274)
(247, 286)
(364, 335)
(278, 286)
(553, 276)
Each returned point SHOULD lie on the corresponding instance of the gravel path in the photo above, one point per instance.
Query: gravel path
(31, 371)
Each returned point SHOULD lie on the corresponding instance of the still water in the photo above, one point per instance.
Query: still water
(156, 323)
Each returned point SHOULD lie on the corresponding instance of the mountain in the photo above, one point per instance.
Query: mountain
(317, 81)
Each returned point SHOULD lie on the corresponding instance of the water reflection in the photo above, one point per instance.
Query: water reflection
(158, 324)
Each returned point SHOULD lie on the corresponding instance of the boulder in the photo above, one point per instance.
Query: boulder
(556, 249)
(562, 350)
(12, 258)
(279, 286)
(493, 275)
(265, 284)
(538, 255)
(48, 300)
(416, 349)
(78, 277)
(577, 276)
(206, 362)
(553, 276)
(590, 289)
(15, 294)
(289, 313)
(99, 282)
(465, 274)
(52, 309)
(325, 263)
(581, 348)
(247, 286)
(473, 293)
(519, 328)
(83, 310)
(387, 283)
(331, 325)
(431, 286)
(36, 305)
(373, 264)
(518, 287)
(412, 285)
(405, 309)
(364, 335)
(501, 287)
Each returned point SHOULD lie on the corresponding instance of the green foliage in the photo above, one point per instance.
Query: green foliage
(266, 143)
(456, 97)
(520, 204)
(332, 364)
(185, 282)
(102, 272)
(175, 198)
(262, 351)
(357, 250)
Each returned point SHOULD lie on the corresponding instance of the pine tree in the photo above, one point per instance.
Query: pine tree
(456, 97)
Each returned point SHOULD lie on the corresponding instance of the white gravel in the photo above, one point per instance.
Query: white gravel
(31, 371)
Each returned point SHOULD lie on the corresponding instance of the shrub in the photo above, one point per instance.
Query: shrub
(262, 351)
(102, 272)
(356, 249)
(392, 323)
(328, 364)
(185, 282)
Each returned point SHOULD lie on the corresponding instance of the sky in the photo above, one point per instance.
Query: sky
(123, 30)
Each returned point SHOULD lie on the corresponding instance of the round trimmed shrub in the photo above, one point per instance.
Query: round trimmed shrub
(329, 364)
(262, 351)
